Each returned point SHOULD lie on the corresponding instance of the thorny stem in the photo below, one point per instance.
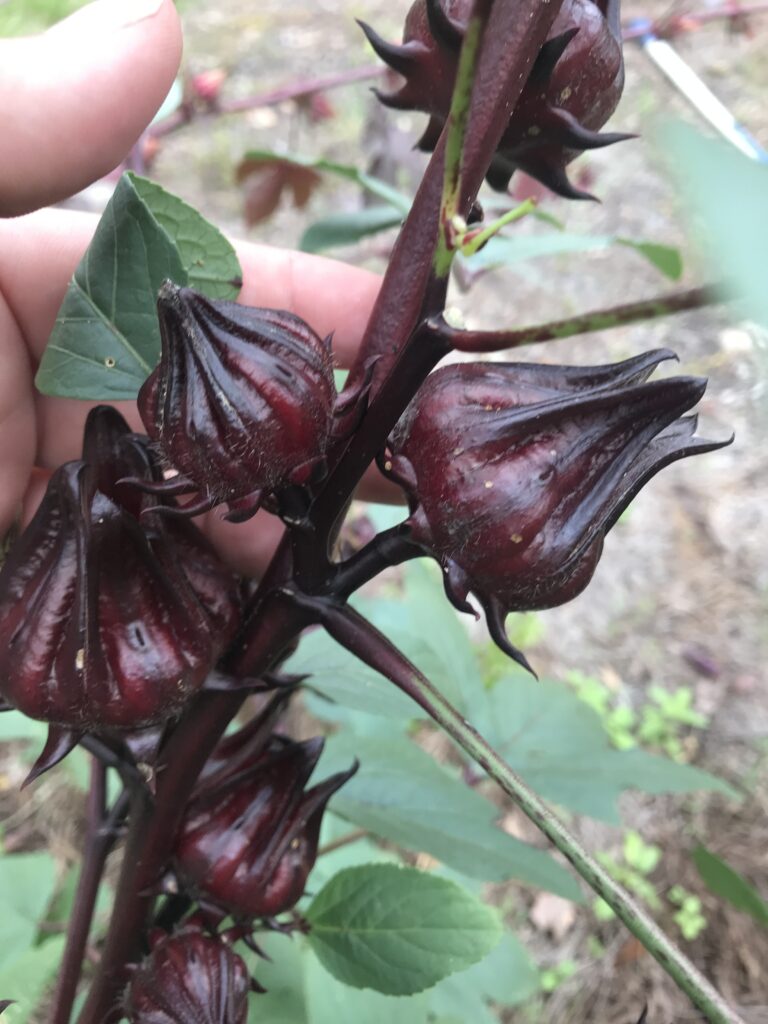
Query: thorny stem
(100, 837)
(600, 320)
(375, 650)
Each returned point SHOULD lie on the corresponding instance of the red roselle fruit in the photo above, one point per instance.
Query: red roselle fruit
(573, 88)
(109, 618)
(241, 403)
(189, 978)
(516, 472)
(249, 837)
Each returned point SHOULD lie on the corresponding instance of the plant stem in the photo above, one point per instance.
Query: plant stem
(293, 91)
(456, 130)
(342, 841)
(600, 320)
(374, 649)
(153, 824)
(677, 965)
(100, 837)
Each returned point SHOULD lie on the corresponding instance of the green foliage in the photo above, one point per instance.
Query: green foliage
(726, 194)
(660, 723)
(26, 977)
(553, 977)
(725, 882)
(106, 339)
(398, 930)
(26, 887)
(689, 917)
(347, 228)
(401, 794)
(638, 860)
(663, 717)
(504, 251)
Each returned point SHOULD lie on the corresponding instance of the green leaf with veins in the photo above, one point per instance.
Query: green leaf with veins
(398, 930)
(106, 339)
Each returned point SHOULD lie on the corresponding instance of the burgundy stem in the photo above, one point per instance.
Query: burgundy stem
(153, 824)
(292, 91)
(98, 842)
(599, 320)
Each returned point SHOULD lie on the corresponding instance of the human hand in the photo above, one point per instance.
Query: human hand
(76, 99)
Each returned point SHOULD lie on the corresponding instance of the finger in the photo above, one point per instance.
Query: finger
(82, 93)
(39, 253)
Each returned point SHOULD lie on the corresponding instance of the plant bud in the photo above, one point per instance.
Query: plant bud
(573, 88)
(108, 620)
(248, 843)
(189, 978)
(516, 472)
(241, 403)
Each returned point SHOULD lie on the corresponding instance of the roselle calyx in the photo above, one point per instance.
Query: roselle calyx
(515, 472)
(109, 618)
(572, 90)
(249, 840)
(189, 978)
(241, 403)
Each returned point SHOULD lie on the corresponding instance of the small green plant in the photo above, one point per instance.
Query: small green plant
(689, 918)
(660, 723)
(552, 978)
(666, 716)
(638, 860)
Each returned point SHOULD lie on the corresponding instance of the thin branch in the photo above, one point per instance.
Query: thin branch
(293, 91)
(375, 650)
(100, 838)
(342, 841)
(600, 320)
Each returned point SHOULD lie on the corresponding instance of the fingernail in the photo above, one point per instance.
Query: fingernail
(136, 10)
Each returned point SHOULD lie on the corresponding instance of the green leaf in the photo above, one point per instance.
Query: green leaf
(106, 339)
(328, 1001)
(26, 977)
(14, 726)
(26, 887)
(559, 746)
(343, 680)
(509, 250)
(209, 259)
(505, 977)
(377, 187)
(721, 879)
(282, 976)
(726, 195)
(400, 793)
(349, 228)
(398, 930)
(665, 258)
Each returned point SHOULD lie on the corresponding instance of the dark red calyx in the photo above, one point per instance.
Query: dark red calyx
(109, 619)
(515, 472)
(572, 90)
(189, 978)
(241, 403)
(248, 843)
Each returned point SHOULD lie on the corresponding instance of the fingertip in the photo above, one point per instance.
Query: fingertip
(84, 91)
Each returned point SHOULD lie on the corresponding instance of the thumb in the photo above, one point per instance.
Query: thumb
(78, 96)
